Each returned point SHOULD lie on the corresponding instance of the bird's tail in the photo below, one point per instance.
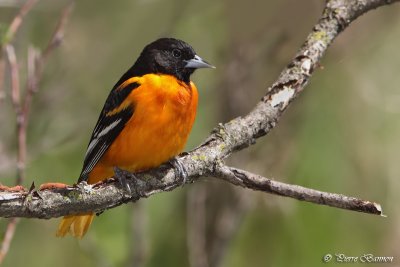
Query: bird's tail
(76, 225)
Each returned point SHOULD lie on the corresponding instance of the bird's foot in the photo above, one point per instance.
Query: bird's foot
(180, 170)
(121, 175)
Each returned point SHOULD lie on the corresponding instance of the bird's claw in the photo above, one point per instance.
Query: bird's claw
(121, 175)
(180, 169)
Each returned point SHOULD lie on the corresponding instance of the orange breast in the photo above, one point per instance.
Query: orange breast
(164, 112)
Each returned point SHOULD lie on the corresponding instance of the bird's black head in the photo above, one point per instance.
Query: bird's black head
(168, 56)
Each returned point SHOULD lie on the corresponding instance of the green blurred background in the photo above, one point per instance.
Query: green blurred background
(341, 135)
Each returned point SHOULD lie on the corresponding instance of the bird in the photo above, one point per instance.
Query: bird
(145, 121)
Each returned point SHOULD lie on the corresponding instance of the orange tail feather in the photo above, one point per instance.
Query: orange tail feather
(76, 225)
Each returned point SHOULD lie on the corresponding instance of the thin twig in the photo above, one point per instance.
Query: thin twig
(21, 143)
(17, 21)
(20, 120)
(16, 100)
(32, 81)
(58, 34)
(36, 60)
(2, 74)
(9, 234)
(260, 183)
(22, 109)
(15, 85)
(9, 36)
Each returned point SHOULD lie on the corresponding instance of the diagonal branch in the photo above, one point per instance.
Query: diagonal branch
(227, 138)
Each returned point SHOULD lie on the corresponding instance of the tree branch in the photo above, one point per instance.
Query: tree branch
(259, 183)
(207, 159)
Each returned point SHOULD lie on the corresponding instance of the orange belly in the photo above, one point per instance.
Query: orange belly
(164, 112)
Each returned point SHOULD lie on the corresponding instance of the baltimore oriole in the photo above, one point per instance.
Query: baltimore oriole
(145, 120)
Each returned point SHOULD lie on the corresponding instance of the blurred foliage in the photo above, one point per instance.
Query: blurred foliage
(340, 135)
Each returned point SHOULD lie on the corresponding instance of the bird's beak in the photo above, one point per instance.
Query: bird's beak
(197, 63)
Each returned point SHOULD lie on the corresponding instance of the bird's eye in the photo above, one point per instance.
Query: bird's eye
(176, 53)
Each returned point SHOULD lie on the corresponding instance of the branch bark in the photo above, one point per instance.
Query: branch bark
(256, 182)
(207, 159)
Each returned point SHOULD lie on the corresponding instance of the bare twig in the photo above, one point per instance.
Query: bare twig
(259, 183)
(9, 234)
(2, 70)
(21, 144)
(16, 100)
(22, 109)
(207, 159)
(15, 85)
(9, 36)
(59, 32)
(17, 21)
(32, 81)
(36, 60)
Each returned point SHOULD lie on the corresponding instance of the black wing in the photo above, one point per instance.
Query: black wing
(108, 127)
